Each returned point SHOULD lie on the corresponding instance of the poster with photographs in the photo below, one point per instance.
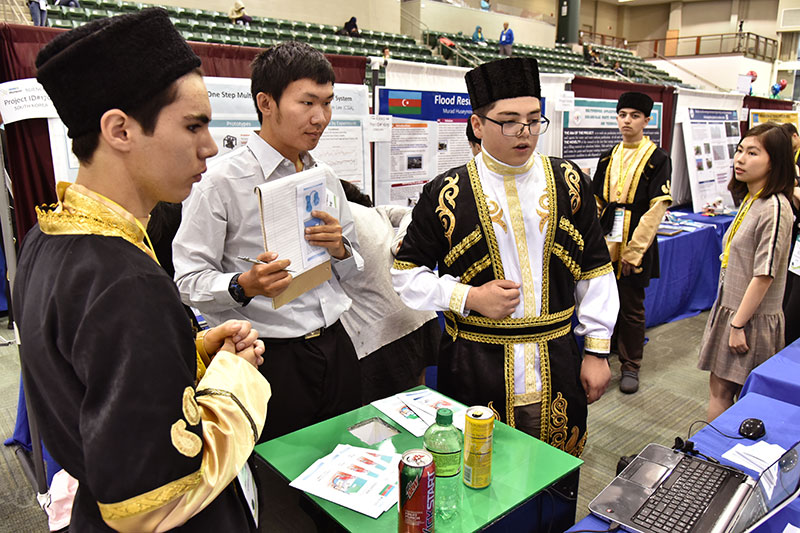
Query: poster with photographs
(710, 137)
(341, 146)
(428, 137)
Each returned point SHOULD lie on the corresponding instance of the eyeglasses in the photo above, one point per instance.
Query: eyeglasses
(515, 129)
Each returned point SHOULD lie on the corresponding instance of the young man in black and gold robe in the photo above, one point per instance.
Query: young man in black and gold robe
(632, 189)
(519, 252)
(126, 397)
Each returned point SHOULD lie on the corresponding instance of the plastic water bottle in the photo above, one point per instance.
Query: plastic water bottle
(444, 441)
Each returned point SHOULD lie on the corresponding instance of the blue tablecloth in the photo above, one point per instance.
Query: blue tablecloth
(782, 421)
(689, 263)
(778, 377)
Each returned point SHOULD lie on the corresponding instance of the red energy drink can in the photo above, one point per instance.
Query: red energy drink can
(416, 498)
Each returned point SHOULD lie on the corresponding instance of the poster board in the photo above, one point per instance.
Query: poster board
(694, 99)
(428, 137)
(759, 116)
(343, 145)
(590, 128)
(710, 137)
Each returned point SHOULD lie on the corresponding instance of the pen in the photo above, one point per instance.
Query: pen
(259, 262)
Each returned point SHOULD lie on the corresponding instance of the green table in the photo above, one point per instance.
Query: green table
(521, 467)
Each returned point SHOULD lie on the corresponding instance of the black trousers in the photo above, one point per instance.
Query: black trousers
(311, 380)
(629, 331)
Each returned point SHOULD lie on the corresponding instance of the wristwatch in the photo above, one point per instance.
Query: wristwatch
(237, 291)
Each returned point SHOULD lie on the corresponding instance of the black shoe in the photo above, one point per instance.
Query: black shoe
(629, 382)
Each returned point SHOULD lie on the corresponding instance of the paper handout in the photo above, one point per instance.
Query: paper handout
(285, 206)
(415, 411)
(360, 479)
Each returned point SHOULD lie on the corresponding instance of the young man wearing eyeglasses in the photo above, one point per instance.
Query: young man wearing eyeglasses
(519, 251)
(632, 189)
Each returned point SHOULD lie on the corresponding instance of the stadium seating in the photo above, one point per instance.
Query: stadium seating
(560, 59)
(214, 27)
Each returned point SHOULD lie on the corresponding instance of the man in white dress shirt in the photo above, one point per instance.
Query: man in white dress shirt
(519, 251)
(310, 360)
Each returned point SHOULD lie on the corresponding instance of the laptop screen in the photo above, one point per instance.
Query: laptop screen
(777, 485)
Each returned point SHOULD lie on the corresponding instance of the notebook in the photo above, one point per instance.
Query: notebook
(666, 491)
(285, 207)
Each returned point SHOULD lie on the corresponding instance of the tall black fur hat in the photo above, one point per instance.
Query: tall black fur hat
(112, 63)
(503, 78)
(639, 101)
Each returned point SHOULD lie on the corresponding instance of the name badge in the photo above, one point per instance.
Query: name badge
(249, 490)
(794, 264)
(616, 229)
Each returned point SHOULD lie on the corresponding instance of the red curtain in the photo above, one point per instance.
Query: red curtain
(610, 90)
(29, 159)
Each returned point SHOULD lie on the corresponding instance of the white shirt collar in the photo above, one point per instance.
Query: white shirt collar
(269, 158)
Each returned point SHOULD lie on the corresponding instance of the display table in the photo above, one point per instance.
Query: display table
(689, 264)
(778, 377)
(720, 222)
(782, 422)
(522, 467)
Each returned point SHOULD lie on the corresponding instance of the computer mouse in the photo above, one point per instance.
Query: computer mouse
(752, 428)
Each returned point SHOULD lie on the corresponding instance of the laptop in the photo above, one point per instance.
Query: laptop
(666, 491)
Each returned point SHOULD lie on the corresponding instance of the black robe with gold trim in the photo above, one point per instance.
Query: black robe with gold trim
(452, 230)
(651, 184)
(104, 337)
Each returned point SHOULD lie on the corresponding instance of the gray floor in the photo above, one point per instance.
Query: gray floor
(673, 394)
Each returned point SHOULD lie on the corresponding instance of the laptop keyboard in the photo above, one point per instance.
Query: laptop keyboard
(678, 503)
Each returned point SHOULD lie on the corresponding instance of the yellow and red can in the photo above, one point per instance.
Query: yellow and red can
(478, 432)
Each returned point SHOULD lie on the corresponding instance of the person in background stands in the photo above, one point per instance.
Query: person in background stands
(746, 323)
(632, 189)
(506, 40)
(38, 9)
(153, 431)
(350, 28)
(477, 35)
(237, 14)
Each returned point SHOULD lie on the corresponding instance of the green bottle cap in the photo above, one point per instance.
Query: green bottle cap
(444, 416)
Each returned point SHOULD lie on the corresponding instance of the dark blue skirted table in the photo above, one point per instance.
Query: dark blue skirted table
(778, 377)
(689, 264)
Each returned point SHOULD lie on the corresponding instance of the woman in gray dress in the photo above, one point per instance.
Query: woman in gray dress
(745, 327)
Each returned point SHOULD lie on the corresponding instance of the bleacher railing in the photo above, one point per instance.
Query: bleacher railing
(603, 39)
(748, 44)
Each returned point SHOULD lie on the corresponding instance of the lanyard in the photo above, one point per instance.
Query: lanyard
(796, 154)
(736, 223)
(623, 174)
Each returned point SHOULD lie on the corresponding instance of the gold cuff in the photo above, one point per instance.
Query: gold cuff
(457, 298)
(200, 344)
(597, 345)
